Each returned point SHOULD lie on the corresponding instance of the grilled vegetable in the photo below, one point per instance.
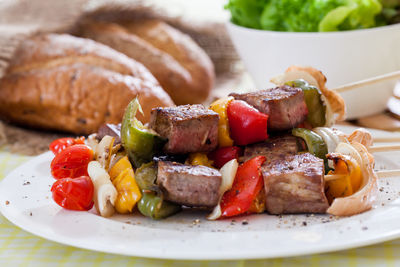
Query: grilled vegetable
(60, 144)
(71, 162)
(220, 106)
(350, 175)
(199, 159)
(155, 207)
(224, 154)
(139, 142)
(146, 177)
(74, 193)
(105, 193)
(312, 96)
(246, 186)
(247, 124)
(152, 204)
(315, 143)
(228, 173)
(123, 178)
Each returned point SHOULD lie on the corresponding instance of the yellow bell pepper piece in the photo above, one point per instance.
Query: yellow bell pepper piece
(258, 204)
(220, 107)
(350, 181)
(123, 178)
(199, 159)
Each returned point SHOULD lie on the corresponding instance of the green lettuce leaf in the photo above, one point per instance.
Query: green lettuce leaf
(246, 12)
(309, 15)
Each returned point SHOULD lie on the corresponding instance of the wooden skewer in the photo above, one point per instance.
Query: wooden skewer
(386, 139)
(388, 173)
(385, 77)
(381, 174)
(387, 148)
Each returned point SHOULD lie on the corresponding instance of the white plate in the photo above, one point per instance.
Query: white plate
(27, 192)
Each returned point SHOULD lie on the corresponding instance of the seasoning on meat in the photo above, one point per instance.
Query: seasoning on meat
(295, 185)
(189, 128)
(284, 105)
(196, 186)
(276, 147)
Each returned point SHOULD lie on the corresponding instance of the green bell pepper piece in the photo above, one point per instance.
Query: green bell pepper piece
(155, 207)
(315, 144)
(146, 176)
(312, 96)
(139, 142)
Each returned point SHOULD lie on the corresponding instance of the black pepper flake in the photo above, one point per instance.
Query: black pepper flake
(304, 223)
(30, 214)
(245, 222)
(7, 202)
(26, 183)
(237, 192)
(364, 228)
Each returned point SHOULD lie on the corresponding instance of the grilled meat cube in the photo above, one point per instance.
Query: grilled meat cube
(295, 185)
(189, 128)
(113, 130)
(284, 105)
(277, 147)
(196, 186)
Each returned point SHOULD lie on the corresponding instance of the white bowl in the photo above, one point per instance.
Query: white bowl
(343, 57)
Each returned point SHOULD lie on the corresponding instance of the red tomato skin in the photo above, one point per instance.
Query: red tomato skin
(224, 154)
(74, 193)
(71, 162)
(60, 144)
(247, 184)
(247, 125)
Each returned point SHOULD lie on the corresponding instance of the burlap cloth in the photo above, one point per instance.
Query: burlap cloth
(21, 18)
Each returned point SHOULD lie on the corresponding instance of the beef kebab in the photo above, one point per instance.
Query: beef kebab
(246, 153)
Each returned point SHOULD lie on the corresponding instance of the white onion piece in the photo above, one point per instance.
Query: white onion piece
(92, 141)
(347, 149)
(228, 173)
(329, 115)
(329, 141)
(105, 193)
(363, 199)
(362, 136)
(103, 151)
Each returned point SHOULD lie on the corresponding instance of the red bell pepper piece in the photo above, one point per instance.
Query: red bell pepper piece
(74, 193)
(246, 123)
(224, 154)
(71, 162)
(247, 184)
(60, 144)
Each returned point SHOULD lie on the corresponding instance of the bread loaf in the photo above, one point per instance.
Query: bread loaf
(65, 83)
(183, 69)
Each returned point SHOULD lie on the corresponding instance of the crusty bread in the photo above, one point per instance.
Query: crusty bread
(183, 69)
(65, 83)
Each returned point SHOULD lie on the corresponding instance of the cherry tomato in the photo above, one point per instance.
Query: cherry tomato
(74, 193)
(60, 144)
(71, 162)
